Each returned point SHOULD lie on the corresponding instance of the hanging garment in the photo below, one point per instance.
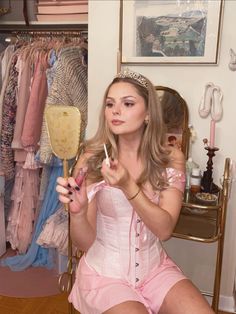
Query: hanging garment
(5, 84)
(8, 122)
(34, 113)
(6, 59)
(55, 232)
(22, 213)
(2, 218)
(7, 117)
(37, 255)
(51, 71)
(25, 71)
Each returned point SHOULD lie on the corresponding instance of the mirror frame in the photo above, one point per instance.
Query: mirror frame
(186, 131)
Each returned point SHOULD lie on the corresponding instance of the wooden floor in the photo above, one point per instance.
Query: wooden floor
(49, 305)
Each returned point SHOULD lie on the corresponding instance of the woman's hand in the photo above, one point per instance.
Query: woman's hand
(116, 175)
(73, 194)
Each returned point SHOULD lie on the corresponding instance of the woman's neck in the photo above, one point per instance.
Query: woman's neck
(128, 146)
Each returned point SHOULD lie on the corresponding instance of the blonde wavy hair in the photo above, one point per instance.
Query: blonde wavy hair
(152, 151)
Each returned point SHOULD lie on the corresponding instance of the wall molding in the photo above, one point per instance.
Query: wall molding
(226, 304)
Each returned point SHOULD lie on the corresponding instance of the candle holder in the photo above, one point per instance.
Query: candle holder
(207, 184)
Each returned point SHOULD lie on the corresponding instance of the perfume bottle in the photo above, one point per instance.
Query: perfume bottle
(195, 181)
(190, 165)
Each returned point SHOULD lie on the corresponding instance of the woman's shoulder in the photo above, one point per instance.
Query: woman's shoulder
(177, 159)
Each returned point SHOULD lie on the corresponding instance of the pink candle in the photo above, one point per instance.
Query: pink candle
(212, 134)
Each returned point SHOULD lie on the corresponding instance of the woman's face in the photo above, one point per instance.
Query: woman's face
(125, 109)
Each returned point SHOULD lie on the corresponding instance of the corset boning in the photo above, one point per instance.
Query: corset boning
(124, 248)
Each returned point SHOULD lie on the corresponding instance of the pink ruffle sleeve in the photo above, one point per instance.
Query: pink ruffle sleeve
(94, 188)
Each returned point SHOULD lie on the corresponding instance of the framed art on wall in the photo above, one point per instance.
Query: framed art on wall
(170, 31)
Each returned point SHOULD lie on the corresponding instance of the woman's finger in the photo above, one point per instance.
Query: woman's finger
(72, 182)
(62, 181)
(62, 190)
(64, 199)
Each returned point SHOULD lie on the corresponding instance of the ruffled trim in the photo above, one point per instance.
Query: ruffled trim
(22, 212)
(30, 161)
(94, 188)
(176, 178)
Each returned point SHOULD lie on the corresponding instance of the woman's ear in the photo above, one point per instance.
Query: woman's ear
(146, 120)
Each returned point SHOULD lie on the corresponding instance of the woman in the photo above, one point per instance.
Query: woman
(125, 207)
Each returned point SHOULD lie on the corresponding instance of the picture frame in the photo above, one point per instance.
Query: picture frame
(170, 31)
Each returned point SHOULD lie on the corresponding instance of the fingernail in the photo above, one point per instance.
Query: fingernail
(77, 188)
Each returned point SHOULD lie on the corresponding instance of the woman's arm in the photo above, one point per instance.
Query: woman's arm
(82, 213)
(162, 218)
(83, 227)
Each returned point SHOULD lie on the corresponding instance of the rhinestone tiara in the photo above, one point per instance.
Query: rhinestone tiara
(126, 73)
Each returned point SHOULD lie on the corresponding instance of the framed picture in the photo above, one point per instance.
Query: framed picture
(170, 31)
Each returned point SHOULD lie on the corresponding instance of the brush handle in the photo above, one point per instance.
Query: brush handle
(65, 174)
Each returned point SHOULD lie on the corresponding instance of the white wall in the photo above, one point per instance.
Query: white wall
(197, 260)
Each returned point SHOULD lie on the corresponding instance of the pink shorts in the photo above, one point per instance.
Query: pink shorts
(95, 294)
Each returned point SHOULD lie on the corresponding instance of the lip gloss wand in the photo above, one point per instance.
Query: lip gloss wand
(107, 157)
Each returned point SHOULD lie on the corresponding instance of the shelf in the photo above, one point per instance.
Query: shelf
(198, 221)
(197, 228)
(202, 223)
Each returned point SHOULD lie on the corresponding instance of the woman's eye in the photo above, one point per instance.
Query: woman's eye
(109, 104)
(128, 104)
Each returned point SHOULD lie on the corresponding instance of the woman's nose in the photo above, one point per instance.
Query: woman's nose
(116, 109)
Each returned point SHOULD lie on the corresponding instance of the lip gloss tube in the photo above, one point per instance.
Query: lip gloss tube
(80, 177)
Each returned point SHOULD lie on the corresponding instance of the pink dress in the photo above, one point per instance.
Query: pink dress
(126, 261)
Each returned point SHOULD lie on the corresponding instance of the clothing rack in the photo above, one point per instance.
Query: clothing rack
(8, 28)
(51, 34)
(68, 32)
(32, 34)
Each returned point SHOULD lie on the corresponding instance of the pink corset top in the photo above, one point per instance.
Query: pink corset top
(124, 247)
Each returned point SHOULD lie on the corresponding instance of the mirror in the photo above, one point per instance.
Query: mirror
(175, 114)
